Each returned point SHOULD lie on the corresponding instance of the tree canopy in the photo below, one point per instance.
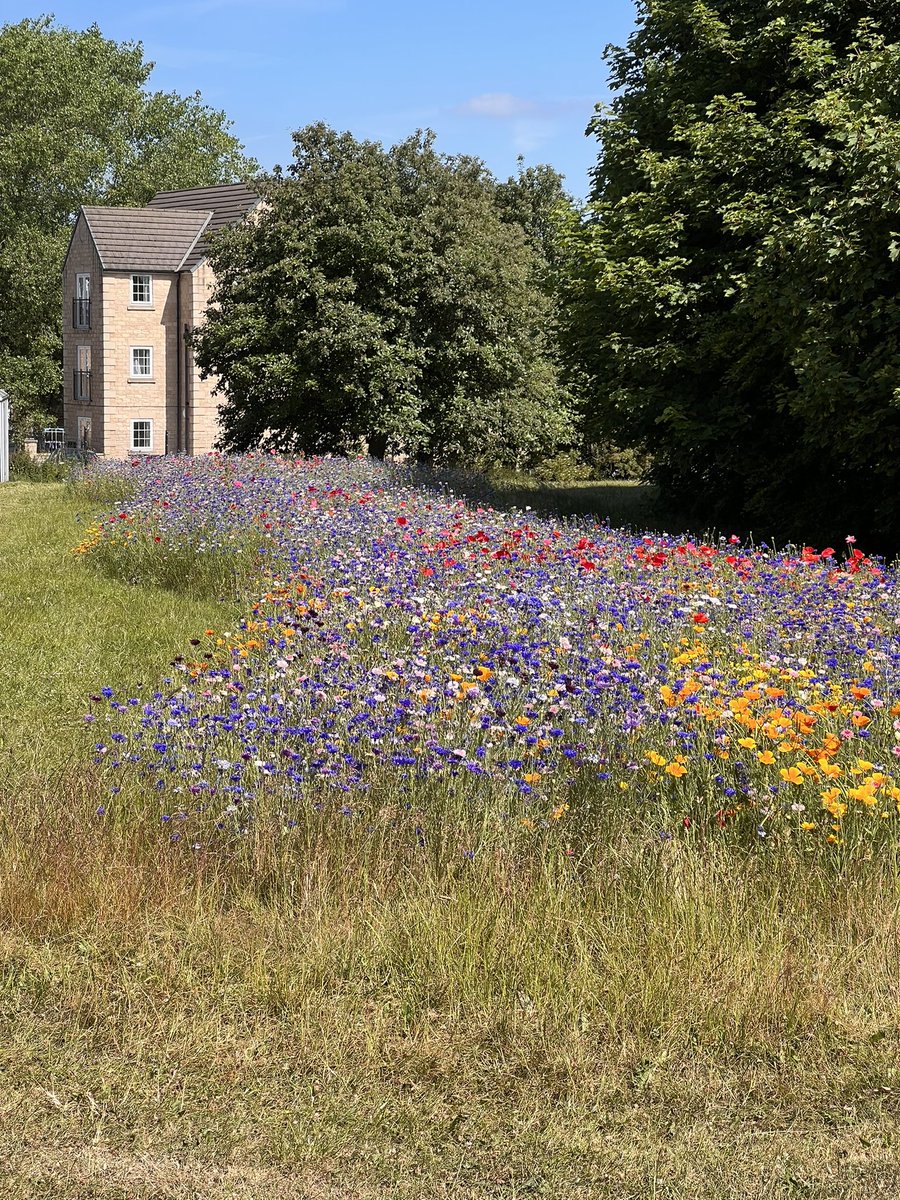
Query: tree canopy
(78, 125)
(385, 296)
(733, 294)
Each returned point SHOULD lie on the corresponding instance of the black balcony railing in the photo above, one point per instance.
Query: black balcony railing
(82, 385)
(81, 313)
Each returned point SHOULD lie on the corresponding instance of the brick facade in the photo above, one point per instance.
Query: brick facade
(177, 403)
(82, 259)
(204, 419)
(125, 397)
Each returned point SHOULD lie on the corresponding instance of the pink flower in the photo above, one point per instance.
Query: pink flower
(850, 539)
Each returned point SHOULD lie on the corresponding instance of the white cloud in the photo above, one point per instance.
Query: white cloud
(529, 135)
(497, 105)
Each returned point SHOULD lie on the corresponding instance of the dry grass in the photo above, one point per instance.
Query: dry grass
(662, 1021)
(697, 1031)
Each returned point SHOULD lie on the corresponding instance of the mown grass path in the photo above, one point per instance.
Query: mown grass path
(66, 631)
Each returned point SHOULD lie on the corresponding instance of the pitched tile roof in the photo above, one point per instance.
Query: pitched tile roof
(228, 202)
(144, 238)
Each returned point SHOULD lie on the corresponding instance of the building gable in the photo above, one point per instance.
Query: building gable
(144, 239)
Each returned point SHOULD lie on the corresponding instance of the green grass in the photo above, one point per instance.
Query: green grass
(66, 631)
(624, 503)
(661, 1021)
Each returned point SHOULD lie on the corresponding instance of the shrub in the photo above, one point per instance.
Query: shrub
(566, 467)
(23, 467)
(610, 461)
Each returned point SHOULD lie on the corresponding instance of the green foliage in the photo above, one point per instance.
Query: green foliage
(733, 288)
(24, 468)
(66, 631)
(95, 489)
(536, 200)
(609, 461)
(565, 467)
(79, 126)
(383, 298)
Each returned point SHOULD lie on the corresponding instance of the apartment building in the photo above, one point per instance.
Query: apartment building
(136, 281)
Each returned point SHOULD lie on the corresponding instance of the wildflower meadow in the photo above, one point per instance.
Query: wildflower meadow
(460, 678)
(364, 840)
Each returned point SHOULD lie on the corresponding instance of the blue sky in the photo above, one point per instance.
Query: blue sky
(494, 78)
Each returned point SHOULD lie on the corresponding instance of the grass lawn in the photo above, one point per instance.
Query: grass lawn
(674, 1022)
(66, 632)
(622, 502)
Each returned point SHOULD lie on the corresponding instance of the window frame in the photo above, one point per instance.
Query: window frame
(148, 449)
(81, 370)
(148, 303)
(81, 301)
(140, 377)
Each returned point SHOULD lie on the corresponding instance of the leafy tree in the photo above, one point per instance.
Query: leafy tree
(78, 126)
(381, 296)
(536, 199)
(733, 292)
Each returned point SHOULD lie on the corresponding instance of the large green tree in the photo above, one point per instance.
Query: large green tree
(78, 125)
(383, 296)
(733, 294)
(535, 199)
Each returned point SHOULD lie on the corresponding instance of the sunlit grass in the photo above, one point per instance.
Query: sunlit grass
(66, 632)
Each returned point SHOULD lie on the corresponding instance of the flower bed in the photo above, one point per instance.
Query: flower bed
(414, 667)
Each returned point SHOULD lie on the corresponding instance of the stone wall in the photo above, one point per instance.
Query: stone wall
(126, 397)
(204, 405)
(83, 259)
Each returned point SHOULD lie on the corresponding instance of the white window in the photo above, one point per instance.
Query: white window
(142, 435)
(142, 290)
(141, 362)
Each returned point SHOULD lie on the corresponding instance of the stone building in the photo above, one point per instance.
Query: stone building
(135, 282)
